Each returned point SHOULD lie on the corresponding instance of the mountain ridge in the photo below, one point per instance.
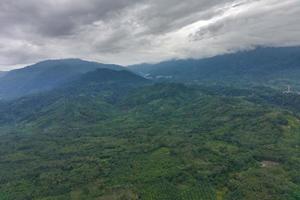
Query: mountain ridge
(102, 85)
(263, 65)
(46, 75)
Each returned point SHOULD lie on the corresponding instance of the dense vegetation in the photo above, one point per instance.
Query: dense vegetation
(114, 135)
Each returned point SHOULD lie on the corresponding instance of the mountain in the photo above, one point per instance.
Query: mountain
(275, 67)
(45, 75)
(87, 94)
(114, 135)
(2, 73)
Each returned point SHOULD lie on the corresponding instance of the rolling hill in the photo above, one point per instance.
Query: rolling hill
(114, 135)
(45, 75)
(92, 131)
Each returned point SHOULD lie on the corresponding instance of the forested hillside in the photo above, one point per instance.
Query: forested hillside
(114, 135)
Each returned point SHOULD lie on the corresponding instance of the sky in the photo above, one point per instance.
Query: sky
(137, 31)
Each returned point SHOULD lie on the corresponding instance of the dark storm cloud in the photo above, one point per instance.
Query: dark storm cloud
(54, 17)
(131, 31)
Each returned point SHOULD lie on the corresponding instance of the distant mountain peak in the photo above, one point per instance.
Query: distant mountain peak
(46, 75)
(272, 66)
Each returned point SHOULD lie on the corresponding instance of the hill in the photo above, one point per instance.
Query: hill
(275, 67)
(45, 75)
(79, 100)
(111, 135)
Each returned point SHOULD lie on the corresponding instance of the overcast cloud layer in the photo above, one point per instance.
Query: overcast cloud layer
(134, 31)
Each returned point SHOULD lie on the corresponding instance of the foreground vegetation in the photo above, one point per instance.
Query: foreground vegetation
(161, 141)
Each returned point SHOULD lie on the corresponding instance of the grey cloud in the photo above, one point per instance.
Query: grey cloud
(55, 18)
(130, 31)
(207, 32)
(168, 15)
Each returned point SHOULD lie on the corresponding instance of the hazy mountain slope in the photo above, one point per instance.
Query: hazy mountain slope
(2, 73)
(45, 76)
(271, 66)
(167, 141)
(89, 95)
